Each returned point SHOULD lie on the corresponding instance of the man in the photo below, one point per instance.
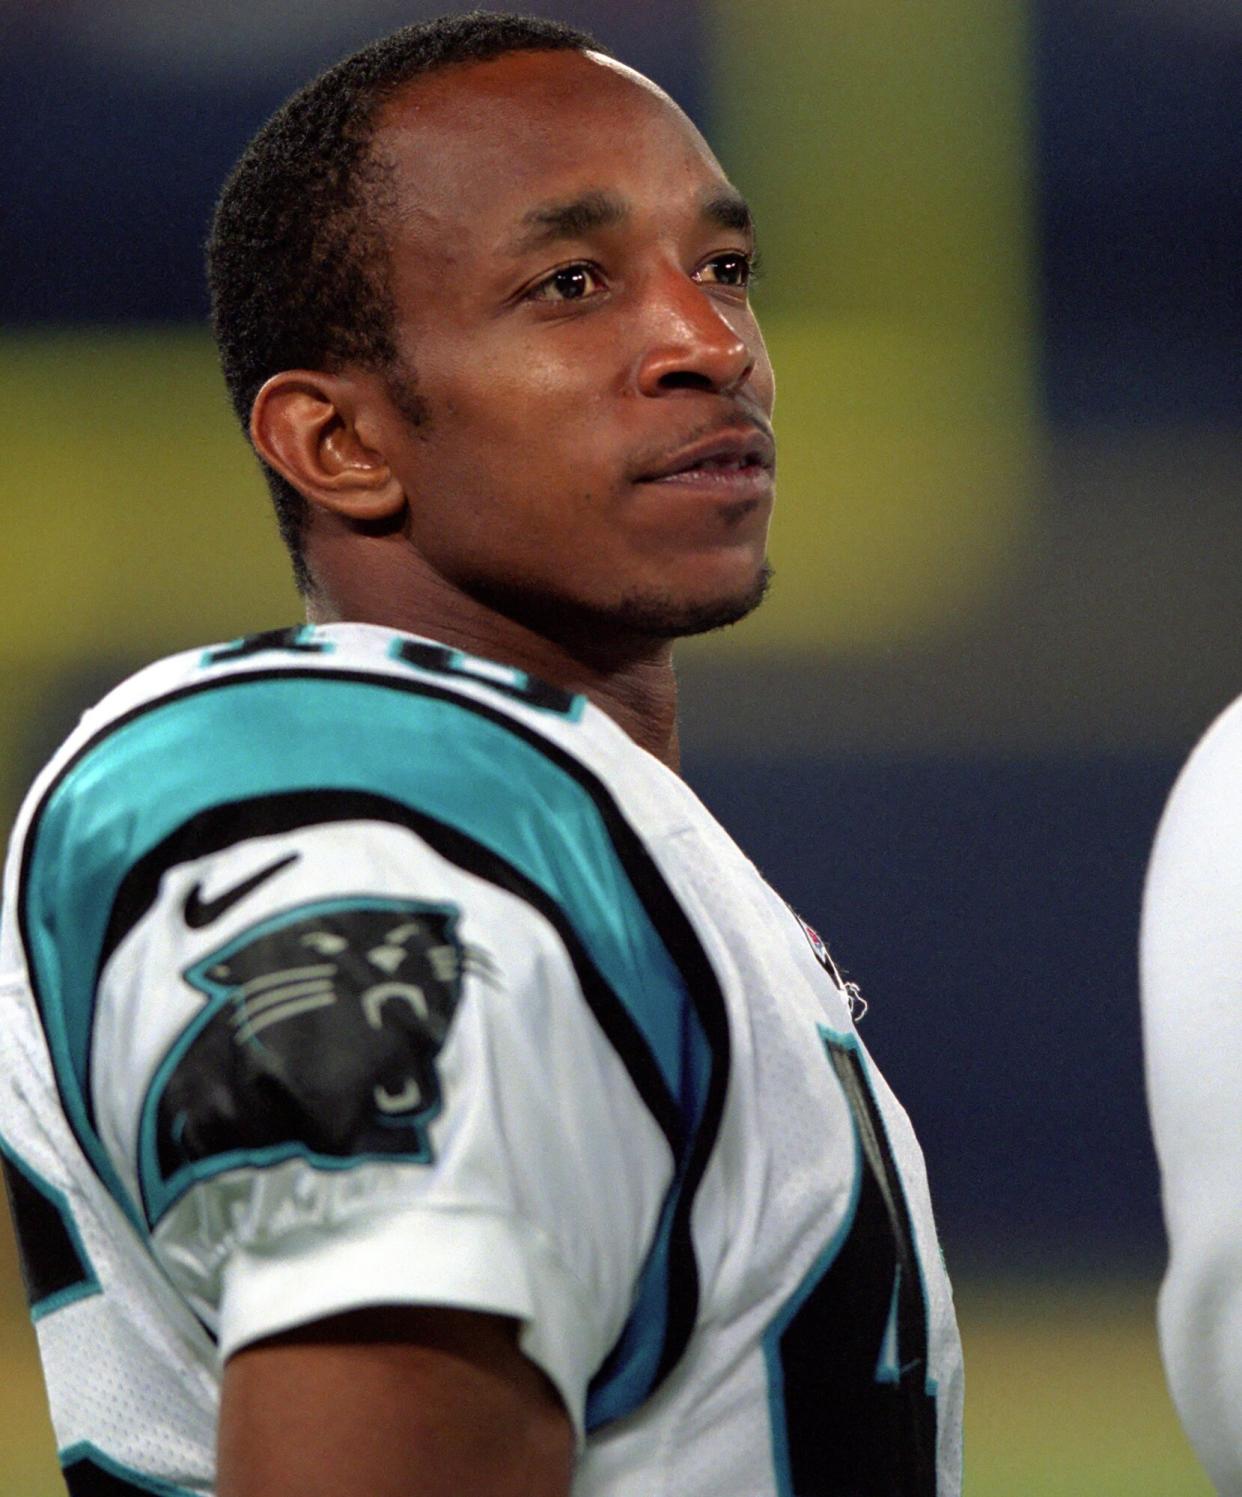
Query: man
(1192, 1022)
(409, 1087)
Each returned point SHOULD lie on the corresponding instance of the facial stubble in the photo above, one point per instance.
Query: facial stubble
(650, 615)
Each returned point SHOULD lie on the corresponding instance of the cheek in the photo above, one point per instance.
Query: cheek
(547, 420)
(516, 387)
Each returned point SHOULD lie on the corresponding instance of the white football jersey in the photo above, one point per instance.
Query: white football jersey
(340, 968)
(1192, 1032)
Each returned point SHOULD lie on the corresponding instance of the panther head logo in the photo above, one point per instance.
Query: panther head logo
(322, 1033)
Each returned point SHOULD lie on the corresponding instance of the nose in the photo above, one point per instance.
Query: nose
(692, 344)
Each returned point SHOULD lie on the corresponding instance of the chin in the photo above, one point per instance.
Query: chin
(648, 613)
(666, 616)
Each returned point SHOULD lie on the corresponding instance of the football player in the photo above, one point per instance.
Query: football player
(408, 1086)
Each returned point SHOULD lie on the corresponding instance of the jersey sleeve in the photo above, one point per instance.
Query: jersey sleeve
(372, 1014)
(1192, 1016)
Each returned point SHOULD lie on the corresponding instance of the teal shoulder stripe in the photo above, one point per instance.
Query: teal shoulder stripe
(259, 735)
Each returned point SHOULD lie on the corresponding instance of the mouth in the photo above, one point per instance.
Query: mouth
(738, 461)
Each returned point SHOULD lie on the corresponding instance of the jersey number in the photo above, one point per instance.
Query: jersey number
(423, 654)
(850, 1350)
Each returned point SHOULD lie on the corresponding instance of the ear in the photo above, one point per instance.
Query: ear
(319, 431)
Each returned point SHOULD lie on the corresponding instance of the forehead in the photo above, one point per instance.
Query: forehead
(471, 148)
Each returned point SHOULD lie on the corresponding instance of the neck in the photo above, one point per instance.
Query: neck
(630, 678)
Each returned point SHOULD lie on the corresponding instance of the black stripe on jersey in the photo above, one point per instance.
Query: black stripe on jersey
(90, 1473)
(674, 927)
(663, 908)
(55, 1269)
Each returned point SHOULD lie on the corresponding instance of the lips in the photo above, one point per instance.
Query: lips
(722, 455)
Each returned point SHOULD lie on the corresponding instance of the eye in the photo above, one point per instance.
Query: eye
(570, 283)
(734, 268)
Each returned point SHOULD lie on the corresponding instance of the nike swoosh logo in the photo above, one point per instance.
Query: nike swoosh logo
(199, 912)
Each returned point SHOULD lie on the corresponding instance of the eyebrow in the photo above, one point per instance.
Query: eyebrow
(575, 218)
(729, 210)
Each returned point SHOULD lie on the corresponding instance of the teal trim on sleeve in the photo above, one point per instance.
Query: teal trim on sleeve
(63, 1298)
(83, 1462)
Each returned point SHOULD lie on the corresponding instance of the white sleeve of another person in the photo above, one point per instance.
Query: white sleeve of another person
(1192, 1017)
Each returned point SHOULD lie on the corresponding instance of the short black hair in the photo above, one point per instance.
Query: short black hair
(297, 259)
